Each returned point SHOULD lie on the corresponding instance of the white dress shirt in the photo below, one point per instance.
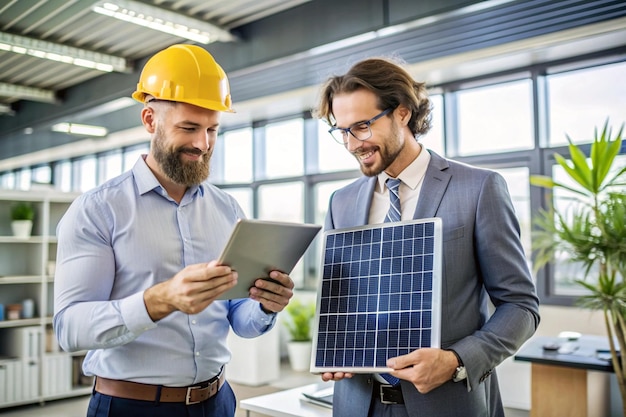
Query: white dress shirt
(412, 177)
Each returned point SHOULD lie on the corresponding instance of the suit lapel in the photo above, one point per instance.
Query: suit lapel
(364, 202)
(436, 181)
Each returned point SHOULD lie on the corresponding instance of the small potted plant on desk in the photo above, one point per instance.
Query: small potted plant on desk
(298, 323)
(592, 232)
(22, 215)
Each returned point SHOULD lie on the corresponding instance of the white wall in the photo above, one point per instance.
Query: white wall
(555, 319)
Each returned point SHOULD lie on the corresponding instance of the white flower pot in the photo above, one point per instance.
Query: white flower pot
(299, 355)
(22, 228)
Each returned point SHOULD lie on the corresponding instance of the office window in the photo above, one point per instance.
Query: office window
(582, 100)
(132, 154)
(496, 118)
(282, 202)
(322, 192)
(8, 180)
(41, 174)
(284, 149)
(237, 161)
(244, 198)
(109, 166)
(84, 173)
(63, 176)
(434, 139)
(518, 183)
(332, 156)
(276, 172)
(22, 179)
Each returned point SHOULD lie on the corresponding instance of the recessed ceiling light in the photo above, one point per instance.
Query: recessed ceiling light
(78, 129)
(62, 53)
(162, 20)
(6, 109)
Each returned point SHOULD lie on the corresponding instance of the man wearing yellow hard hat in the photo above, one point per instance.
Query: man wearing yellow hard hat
(135, 283)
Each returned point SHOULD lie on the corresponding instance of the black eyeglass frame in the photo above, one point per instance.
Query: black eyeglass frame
(345, 131)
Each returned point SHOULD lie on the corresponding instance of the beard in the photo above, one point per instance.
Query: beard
(391, 148)
(176, 169)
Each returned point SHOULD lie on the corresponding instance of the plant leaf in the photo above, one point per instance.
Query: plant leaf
(580, 174)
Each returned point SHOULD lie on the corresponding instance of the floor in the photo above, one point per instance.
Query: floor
(76, 407)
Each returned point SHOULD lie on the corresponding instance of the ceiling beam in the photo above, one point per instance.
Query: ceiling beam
(62, 53)
(163, 20)
(27, 93)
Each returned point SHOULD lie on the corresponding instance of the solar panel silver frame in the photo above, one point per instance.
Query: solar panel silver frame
(435, 310)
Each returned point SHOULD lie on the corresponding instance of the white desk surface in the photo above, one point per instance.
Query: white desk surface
(288, 403)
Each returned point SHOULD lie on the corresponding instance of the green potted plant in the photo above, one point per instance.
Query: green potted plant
(591, 231)
(22, 215)
(298, 323)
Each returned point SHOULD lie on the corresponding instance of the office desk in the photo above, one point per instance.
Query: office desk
(287, 403)
(559, 380)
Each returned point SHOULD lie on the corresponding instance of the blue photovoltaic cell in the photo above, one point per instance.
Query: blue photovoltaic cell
(379, 295)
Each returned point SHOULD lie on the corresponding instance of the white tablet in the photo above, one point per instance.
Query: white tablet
(257, 247)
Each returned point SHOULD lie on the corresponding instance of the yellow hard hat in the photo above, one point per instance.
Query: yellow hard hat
(185, 73)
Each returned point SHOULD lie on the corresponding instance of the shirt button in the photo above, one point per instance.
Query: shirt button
(193, 322)
(197, 353)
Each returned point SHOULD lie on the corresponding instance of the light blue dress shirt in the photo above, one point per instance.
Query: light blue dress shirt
(123, 237)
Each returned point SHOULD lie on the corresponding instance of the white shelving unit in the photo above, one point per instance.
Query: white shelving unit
(32, 368)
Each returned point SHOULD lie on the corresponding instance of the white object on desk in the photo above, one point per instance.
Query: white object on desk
(254, 361)
(287, 403)
(323, 397)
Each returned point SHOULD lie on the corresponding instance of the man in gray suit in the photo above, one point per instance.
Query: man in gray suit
(378, 112)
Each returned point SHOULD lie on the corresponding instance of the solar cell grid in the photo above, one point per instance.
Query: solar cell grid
(379, 295)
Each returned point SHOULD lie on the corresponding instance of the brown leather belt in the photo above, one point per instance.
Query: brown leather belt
(145, 392)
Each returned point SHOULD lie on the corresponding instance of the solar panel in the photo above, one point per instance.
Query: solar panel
(379, 296)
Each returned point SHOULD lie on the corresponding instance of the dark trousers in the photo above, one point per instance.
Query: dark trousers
(221, 405)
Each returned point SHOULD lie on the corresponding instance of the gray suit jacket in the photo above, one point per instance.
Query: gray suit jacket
(483, 260)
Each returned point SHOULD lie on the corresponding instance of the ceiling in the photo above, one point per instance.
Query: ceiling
(282, 50)
(58, 26)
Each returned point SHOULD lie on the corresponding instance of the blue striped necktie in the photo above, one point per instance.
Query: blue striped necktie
(393, 215)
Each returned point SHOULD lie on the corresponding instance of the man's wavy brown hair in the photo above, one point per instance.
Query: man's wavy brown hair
(389, 81)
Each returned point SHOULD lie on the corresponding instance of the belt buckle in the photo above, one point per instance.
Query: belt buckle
(188, 396)
(382, 394)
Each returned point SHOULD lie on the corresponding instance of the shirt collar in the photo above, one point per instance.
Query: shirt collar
(412, 175)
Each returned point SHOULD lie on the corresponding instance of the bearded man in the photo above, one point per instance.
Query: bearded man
(137, 284)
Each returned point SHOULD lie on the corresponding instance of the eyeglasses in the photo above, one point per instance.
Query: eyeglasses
(361, 131)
